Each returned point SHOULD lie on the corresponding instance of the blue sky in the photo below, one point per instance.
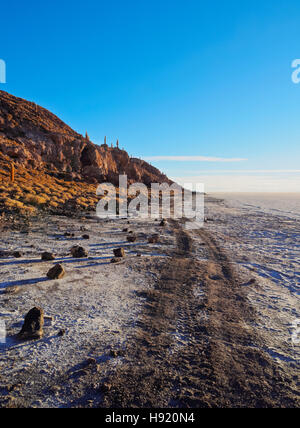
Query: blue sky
(169, 79)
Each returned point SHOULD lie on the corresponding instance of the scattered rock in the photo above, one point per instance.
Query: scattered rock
(17, 254)
(163, 222)
(119, 252)
(115, 260)
(131, 238)
(105, 387)
(115, 354)
(33, 325)
(125, 230)
(12, 290)
(153, 239)
(48, 256)
(57, 272)
(61, 333)
(91, 362)
(79, 252)
(85, 236)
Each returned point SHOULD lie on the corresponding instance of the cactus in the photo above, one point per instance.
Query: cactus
(87, 136)
(12, 172)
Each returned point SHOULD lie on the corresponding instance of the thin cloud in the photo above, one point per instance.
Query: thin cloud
(193, 159)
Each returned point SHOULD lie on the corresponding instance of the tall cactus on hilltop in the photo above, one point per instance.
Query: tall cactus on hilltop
(12, 172)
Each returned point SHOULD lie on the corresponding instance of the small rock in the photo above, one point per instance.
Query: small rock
(153, 239)
(119, 252)
(57, 272)
(131, 238)
(163, 223)
(12, 290)
(17, 254)
(115, 260)
(91, 361)
(106, 387)
(33, 325)
(61, 333)
(125, 230)
(79, 252)
(48, 256)
(85, 236)
(115, 354)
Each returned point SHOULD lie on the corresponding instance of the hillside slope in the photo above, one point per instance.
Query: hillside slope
(54, 164)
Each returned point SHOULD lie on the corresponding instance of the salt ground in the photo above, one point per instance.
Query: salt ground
(262, 236)
(97, 303)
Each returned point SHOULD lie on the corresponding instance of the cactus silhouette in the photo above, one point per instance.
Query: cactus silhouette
(12, 172)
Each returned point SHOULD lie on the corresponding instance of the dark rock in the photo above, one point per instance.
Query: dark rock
(61, 333)
(17, 254)
(119, 252)
(131, 238)
(115, 354)
(57, 272)
(115, 260)
(105, 387)
(86, 237)
(79, 252)
(163, 222)
(48, 256)
(91, 362)
(153, 239)
(33, 325)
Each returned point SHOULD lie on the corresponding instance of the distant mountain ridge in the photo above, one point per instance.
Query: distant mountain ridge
(36, 139)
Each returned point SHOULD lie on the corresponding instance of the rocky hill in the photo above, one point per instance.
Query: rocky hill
(47, 153)
(37, 139)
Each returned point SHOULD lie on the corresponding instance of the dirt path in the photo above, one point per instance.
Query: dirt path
(196, 346)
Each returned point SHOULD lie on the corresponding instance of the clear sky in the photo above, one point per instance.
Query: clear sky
(205, 83)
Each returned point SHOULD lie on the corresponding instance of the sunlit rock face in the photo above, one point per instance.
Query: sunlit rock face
(37, 139)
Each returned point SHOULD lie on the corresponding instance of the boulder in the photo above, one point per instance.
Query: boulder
(119, 252)
(79, 252)
(57, 272)
(48, 256)
(33, 325)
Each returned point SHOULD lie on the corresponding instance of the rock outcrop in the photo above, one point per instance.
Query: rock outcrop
(36, 139)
